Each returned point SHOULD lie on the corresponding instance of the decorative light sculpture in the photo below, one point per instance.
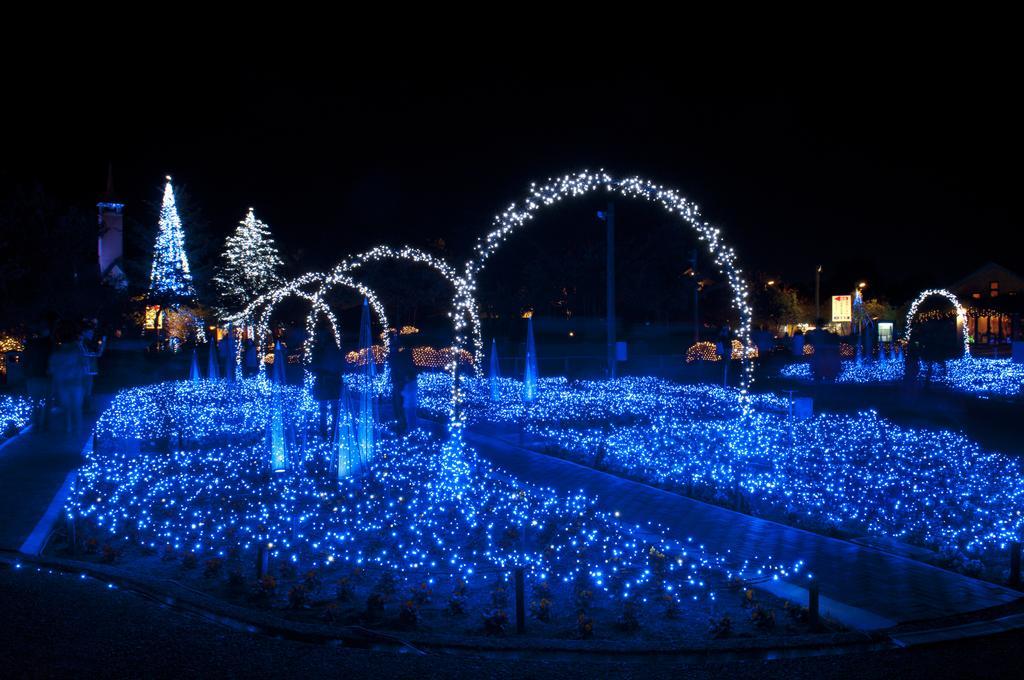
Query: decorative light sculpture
(170, 274)
(961, 314)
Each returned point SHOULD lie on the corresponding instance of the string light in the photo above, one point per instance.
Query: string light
(857, 473)
(961, 315)
(571, 186)
(976, 377)
(160, 477)
(15, 412)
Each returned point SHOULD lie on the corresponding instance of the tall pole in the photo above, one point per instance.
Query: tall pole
(696, 290)
(610, 222)
(817, 295)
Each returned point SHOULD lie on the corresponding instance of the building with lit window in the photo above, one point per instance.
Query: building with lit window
(994, 299)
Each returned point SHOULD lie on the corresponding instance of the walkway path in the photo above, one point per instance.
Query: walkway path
(863, 587)
(33, 468)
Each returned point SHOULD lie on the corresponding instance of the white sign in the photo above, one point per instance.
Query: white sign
(842, 308)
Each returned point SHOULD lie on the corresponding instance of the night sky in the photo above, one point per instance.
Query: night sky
(904, 173)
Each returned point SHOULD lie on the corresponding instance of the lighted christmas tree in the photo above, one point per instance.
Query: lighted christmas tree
(170, 276)
(251, 265)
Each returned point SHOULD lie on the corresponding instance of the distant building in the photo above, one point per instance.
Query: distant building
(111, 236)
(994, 299)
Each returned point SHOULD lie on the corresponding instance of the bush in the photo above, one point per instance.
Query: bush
(720, 627)
(495, 622)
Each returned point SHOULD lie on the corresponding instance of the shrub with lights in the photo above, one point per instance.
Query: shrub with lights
(976, 377)
(15, 412)
(188, 469)
(854, 474)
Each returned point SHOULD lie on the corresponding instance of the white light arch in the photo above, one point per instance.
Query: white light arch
(578, 185)
(266, 303)
(415, 255)
(961, 313)
(339, 275)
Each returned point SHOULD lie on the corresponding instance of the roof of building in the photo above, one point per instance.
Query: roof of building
(990, 271)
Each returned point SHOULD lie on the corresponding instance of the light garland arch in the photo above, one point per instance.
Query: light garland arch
(459, 284)
(266, 303)
(961, 314)
(577, 185)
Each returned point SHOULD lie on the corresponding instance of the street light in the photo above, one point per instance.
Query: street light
(817, 295)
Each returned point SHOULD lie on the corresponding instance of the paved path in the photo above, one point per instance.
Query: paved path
(861, 586)
(33, 468)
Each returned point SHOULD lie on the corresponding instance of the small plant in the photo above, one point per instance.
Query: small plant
(658, 561)
(189, 561)
(109, 554)
(421, 594)
(584, 626)
(748, 598)
(499, 594)
(629, 620)
(584, 597)
(311, 580)
(213, 567)
(287, 570)
(720, 627)
(408, 615)
(762, 617)
(374, 607)
(542, 591)
(670, 605)
(298, 596)
(457, 601)
(495, 622)
(168, 555)
(386, 585)
(235, 577)
(541, 610)
(92, 546)
(796, 612)
(345, 591)
(264, 588)
(457, 605)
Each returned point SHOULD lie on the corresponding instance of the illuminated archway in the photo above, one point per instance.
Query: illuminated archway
(265, 304)
(961, 314)
(458, 282)
(582, 184)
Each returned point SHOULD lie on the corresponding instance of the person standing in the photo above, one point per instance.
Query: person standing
(251, 361)
(38, 349)
(68, 370)
(92, 353)
(403, 383)
(327, 365)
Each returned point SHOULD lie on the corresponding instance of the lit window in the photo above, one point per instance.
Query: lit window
(993, 289)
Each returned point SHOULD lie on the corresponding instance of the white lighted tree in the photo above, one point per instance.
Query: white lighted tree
(251, 265)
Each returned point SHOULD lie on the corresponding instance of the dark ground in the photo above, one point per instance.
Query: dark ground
(62, 626)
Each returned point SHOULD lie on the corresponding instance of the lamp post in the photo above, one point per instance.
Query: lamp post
(609, 218)
(817, 295)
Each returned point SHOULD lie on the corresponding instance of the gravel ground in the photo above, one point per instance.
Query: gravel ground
(61, 626)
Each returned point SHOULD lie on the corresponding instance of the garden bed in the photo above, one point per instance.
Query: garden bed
(249, 505)
(841, 475)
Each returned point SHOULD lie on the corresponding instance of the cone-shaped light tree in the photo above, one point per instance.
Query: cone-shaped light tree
(251, 265)
(170, 276)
